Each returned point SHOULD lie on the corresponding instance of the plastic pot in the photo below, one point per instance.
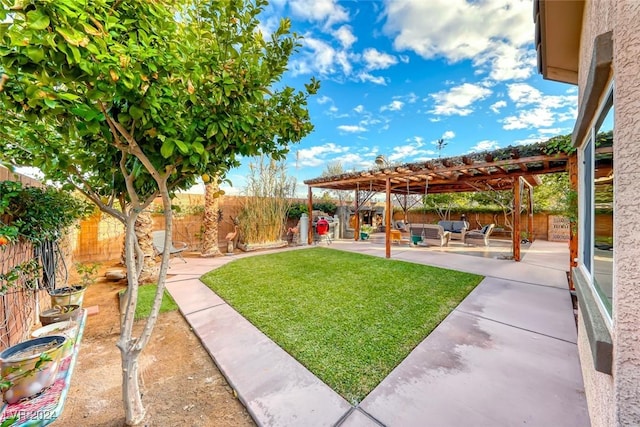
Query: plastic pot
(23, 366)
(58, 314)
(69, 295)
(68, 328)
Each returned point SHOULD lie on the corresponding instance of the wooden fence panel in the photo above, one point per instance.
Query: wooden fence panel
(19, 306)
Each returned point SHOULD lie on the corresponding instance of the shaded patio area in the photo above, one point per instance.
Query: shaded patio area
(498, 248)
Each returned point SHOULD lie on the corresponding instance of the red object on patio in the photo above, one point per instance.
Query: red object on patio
(322, 228)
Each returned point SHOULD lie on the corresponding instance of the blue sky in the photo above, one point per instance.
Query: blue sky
(397, 75)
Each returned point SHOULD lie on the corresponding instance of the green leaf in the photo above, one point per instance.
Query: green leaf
(198, 147)
(76, 53)
(73, 37)
(136, 112)
(68, 96)
(184, 148)
(167, 148)
(37, 20)
(34, 53)
(85, 112)
(212, 129)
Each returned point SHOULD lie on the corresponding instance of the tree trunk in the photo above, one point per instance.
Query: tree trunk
(143, 229)
(130, 346)
(134, 410)
(211, 206)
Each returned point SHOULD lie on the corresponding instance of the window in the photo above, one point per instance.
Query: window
(597, 210)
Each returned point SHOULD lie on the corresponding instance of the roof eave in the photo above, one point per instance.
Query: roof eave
(558, 29)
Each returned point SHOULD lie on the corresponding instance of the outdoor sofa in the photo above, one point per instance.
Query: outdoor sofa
(430, 234)
(456, 228)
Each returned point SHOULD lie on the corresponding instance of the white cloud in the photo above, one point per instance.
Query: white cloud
(324, 99)
(553, 131)
(404, 59)
(507, 62)
(459, 99)
(366, 77)
(526, 119)
(495, 35)
(376, 60)
(359, 108)
(496, 106)
(326, 11)
(368, 121)
(411, 97)
(319, 57)
(315, 156)
(410, 152)
(344, 34)
(485, 145)
(448, 134)
(394, 106)
(355, 161)
(527, 141)
(352, 128)
(536, 110)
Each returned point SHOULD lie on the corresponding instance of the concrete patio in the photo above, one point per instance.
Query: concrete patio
(505, 356)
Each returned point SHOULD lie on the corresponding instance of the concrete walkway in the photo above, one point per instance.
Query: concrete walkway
(505, 356)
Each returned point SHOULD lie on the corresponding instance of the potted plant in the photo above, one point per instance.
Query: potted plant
(67, 328)
(74, 295)
(58, 313)
(30, 366)
(365, 231)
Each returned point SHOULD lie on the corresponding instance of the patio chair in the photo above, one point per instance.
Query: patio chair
(175, 248)
(400, 225)
(479, 237)
(435, 234)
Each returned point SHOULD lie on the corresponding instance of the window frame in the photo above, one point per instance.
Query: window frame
(586, 211)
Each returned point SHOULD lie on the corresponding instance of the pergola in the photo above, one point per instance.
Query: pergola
(513, 168)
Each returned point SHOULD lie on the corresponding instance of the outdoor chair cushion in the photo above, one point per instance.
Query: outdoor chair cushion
(456, 228)
(479, 237)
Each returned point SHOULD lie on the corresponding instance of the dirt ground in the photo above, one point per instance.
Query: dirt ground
(181, 384)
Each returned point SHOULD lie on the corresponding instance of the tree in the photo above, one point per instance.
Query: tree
(127, 100)
(211, 218)
(269, 192)
(343, 196)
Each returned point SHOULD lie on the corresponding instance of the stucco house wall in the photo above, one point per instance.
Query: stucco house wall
(626, 348)
(614, 400)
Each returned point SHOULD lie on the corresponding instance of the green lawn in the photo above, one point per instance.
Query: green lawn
(349, 318)
(146, 294)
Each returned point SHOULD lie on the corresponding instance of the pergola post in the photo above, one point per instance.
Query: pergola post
(532, 234)
(387, 228)
(310, 208)
(517, 204)
(356, 233)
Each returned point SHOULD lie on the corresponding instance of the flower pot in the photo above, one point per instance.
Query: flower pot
(24, 367)
(58, 314)
(363, 235)
(69, 295)
(68, 328)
